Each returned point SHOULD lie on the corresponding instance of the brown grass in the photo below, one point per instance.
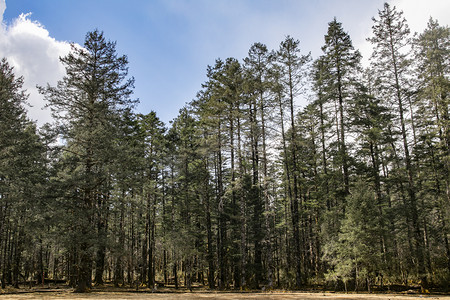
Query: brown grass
(68, 294)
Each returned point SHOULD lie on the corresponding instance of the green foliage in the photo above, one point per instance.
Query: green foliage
(89, 102)
(244, 189)
(22, 178)
(355, 253)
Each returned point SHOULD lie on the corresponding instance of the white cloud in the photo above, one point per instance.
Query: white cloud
(34, 54)
(418, 12)
(2, 9)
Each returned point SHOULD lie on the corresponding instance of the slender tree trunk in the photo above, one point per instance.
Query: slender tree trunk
(288, 182)
(377, 184)
(145, 251)
(151, 246)
(403, 197)
(17, 256)
(119, 270)
(411, 192)
(255, 194)
(234, 206)
(164, 224)
(209, 236)
(324, 152)
(265, 190)
(411, 188)
(343, 146)
(101, 251)
(243, 214)
(175, 274)
(294, 199)
(221, 230)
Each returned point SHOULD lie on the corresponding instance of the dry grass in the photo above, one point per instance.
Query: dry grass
(109, 292)
(68, 294)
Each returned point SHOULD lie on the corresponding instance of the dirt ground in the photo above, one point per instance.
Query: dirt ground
(68, 294)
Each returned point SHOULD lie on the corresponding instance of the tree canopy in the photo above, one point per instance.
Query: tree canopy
(244, 189)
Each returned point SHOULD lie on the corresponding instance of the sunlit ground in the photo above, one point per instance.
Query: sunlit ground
(68, 294)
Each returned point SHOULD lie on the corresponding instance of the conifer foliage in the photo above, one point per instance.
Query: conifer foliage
(244, 189)
(89, 103)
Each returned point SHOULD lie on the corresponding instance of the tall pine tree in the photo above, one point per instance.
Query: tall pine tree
(88, 103)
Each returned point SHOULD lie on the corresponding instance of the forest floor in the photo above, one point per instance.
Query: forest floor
(68, 294)
(110, 293)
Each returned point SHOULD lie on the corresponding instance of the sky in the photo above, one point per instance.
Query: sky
(170, 43)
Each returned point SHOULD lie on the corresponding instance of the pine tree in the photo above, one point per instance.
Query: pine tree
(369, 118)
(341, 63)
(391, 62)
(355, 256)
(257, 66)
(152, 131)
(23, 173)
(88, 103)
(432, 54)
(293, 67)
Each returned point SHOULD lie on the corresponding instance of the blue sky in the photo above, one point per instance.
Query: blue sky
(169, 43)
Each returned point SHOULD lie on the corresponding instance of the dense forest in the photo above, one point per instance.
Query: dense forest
(244, 189)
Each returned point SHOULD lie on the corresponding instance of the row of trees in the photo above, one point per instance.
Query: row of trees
(244, 190)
